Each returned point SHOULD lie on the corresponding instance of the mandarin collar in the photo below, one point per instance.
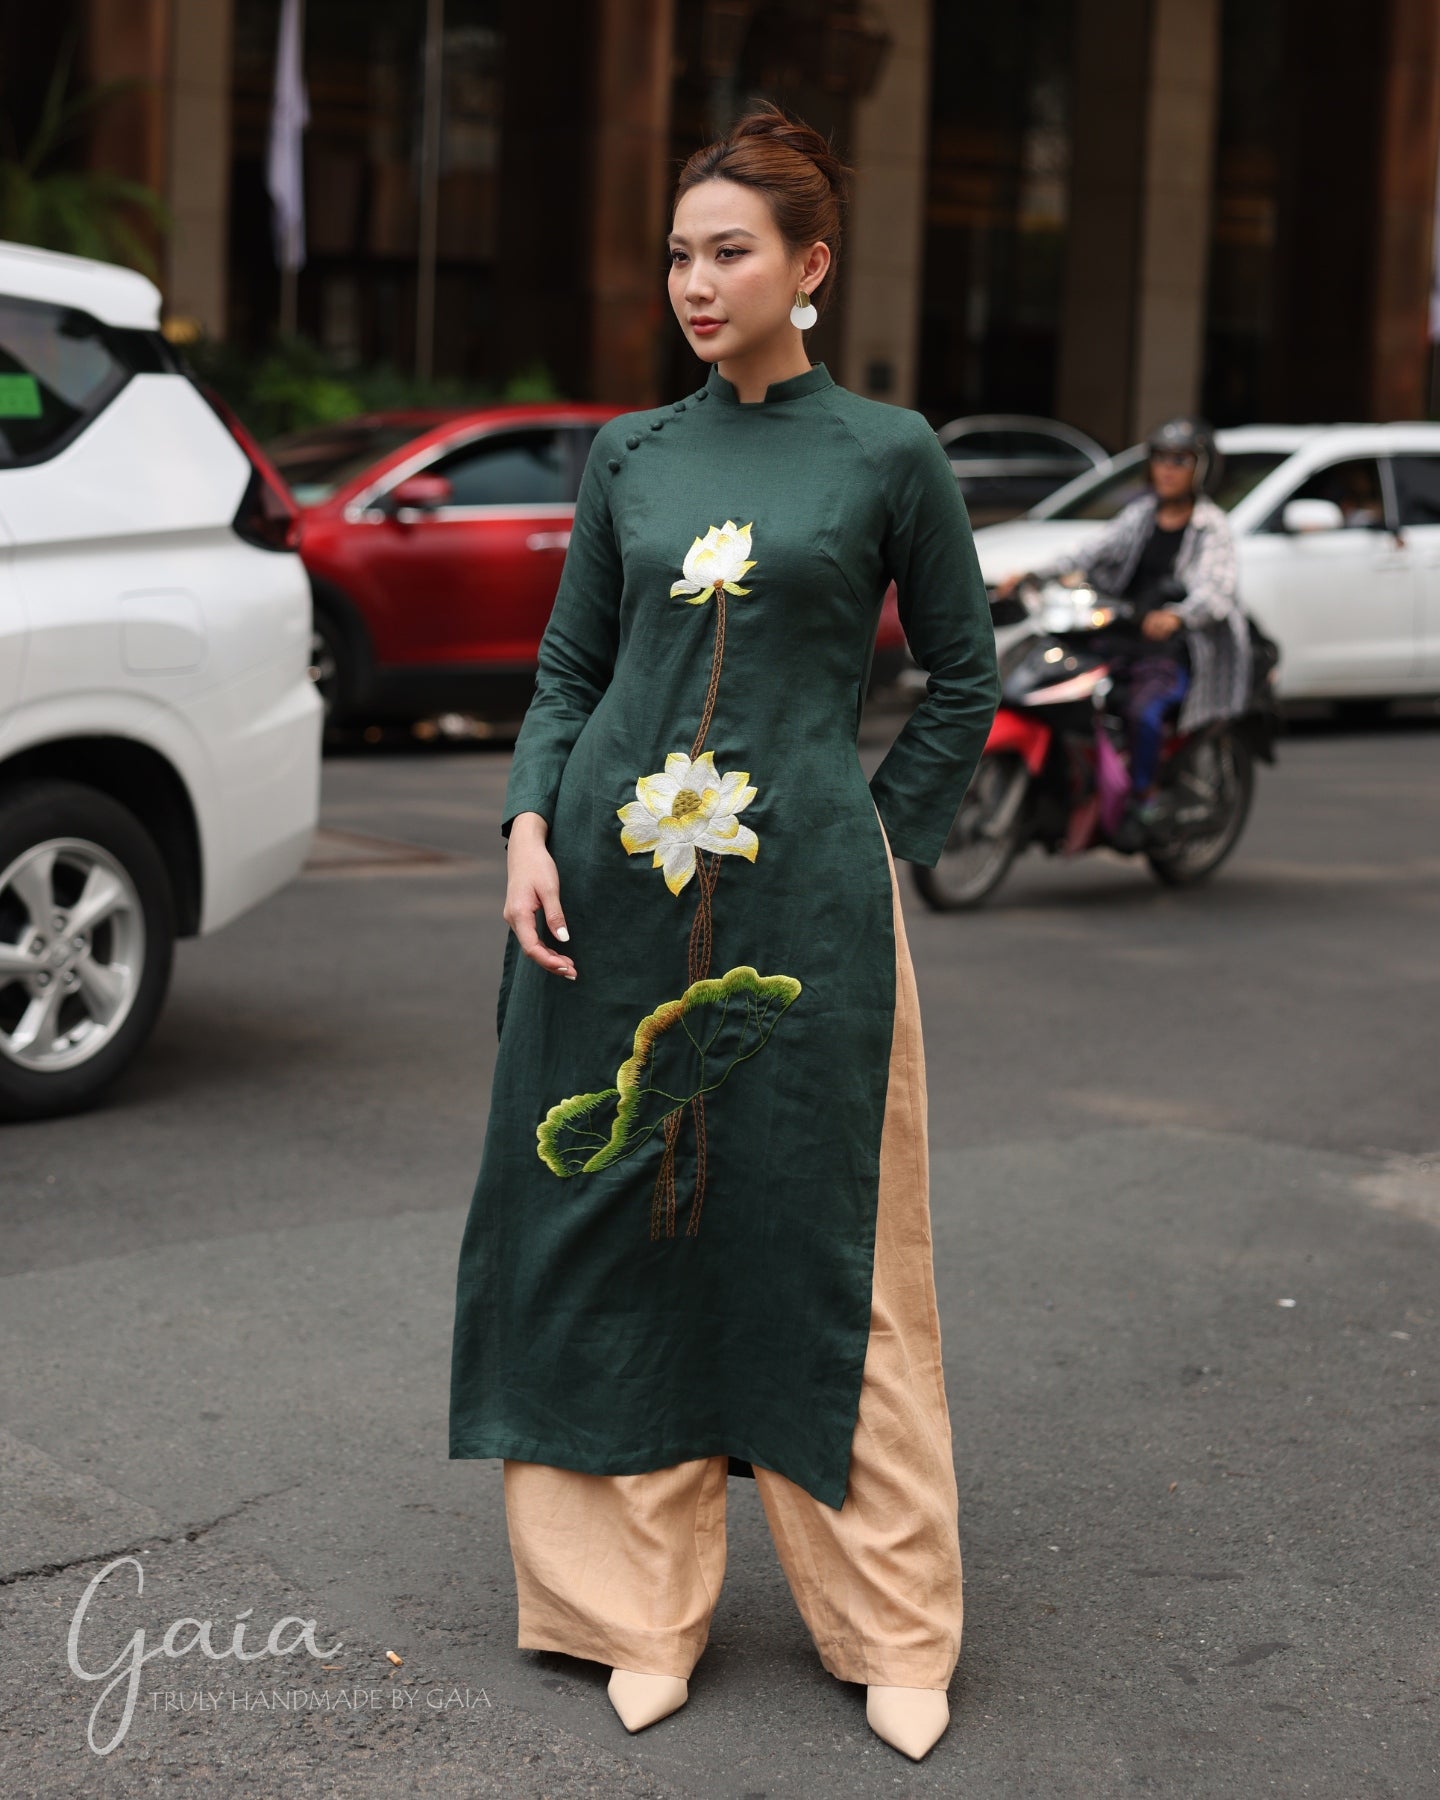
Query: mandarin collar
(808, 381)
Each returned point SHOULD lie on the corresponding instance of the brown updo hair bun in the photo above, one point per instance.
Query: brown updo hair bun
(788, 161)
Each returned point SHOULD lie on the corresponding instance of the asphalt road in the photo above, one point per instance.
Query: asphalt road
(1186, 1194)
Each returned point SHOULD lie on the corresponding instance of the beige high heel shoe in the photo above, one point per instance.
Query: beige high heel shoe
(910, 1719)
(642, 1699)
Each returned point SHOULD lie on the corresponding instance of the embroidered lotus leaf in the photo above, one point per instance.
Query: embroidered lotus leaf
(684, 1048)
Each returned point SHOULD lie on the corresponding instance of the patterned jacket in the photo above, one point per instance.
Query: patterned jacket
(1218, 634)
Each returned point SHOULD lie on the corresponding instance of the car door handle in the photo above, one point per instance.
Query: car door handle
(548, 540)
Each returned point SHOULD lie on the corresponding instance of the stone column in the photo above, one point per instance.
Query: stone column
(198, 187)
(881, 253)
(1409, 146)
(128, 40)
(1184, 81)
(1102, 256)
(1146, 91)
(629, 183)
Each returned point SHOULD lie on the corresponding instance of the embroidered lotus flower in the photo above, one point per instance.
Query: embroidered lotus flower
(688, 807)
(717, 560)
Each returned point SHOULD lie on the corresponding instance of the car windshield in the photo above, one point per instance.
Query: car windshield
(1104, 497)
(319, 462)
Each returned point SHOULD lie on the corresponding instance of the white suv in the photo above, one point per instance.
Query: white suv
(159, 729)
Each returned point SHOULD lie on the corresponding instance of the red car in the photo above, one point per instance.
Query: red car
(434, 542)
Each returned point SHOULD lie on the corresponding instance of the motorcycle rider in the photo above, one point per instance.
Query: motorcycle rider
(1170, 552)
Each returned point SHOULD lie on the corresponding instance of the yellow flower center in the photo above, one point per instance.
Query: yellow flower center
(687, 803)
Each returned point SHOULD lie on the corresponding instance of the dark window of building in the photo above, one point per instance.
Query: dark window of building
(997, 207)
(359, 289)
(1248, 144)
(508, 468)
(1288, 307)
(58, 369)
(1417, 487)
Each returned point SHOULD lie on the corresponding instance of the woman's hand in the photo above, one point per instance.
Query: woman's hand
(533, 886)
(1162, 623)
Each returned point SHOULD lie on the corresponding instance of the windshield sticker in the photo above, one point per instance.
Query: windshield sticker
(19, 397)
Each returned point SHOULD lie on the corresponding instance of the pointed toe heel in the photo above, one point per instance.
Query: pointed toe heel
(910, 1720)
(642, 1699)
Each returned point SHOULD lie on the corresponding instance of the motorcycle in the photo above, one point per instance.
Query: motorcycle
(1055, 772)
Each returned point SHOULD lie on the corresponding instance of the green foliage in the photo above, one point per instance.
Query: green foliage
(85, 212)
(294, 384)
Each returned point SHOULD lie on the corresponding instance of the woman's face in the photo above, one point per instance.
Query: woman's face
(1172, 473)
(728, 263)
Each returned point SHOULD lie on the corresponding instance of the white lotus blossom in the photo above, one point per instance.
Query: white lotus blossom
(717, 560)
(688, 807)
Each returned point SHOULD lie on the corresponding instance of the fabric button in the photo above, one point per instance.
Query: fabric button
(632, 443)
(657, 424)
(614, 464)
(703, 394)
(679, 406)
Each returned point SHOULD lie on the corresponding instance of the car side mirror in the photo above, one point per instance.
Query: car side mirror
(1304, 516)
(418, 493)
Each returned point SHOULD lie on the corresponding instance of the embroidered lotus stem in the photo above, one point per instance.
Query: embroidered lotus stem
(698, 964)
(715, 661)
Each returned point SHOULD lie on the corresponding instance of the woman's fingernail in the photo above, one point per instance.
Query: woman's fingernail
(562, 934)
(569, 974)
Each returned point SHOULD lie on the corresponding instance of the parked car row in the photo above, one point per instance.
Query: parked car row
(434, 542)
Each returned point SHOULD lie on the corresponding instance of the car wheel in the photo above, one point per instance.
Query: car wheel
(87, 937)
(331, 665)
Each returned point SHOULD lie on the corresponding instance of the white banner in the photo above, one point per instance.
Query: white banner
(289, 115)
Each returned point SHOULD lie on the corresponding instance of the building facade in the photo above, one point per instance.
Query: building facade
(1103, 210)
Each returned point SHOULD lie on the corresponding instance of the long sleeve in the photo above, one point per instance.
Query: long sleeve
(930, 552)
(577, 648)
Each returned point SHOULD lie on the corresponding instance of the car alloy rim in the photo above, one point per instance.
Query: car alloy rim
(72, 950)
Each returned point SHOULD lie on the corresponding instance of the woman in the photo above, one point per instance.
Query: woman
(1171, 553)
(699, 1241)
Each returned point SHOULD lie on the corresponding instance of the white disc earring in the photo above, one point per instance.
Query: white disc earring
(802, 313)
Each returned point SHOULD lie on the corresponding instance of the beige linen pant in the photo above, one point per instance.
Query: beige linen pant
(626, 1569)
